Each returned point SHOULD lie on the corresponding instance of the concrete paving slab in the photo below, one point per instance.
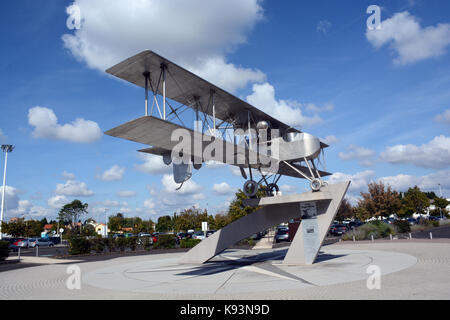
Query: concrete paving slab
(419, 271)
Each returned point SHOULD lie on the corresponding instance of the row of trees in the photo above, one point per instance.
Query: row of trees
(383, 201)
(379, 201)
(26, 228)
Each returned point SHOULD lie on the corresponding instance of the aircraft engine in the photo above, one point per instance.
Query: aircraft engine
(182, 172)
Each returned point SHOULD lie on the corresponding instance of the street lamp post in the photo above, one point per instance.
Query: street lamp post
(6, 148)
(106, 222)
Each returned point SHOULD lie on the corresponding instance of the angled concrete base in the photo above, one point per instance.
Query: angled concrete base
(316, 208)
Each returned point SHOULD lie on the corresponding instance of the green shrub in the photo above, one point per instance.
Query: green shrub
(79, 245)
(165, 241)
(121, 243)
(111, 244)
(377, 229)
(146, 243)
(189, 243)
(132, 243)
(4, 250)
(402, 226)
(99, 244)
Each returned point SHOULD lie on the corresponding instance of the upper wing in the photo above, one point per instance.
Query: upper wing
(182, 86)
(157, 133)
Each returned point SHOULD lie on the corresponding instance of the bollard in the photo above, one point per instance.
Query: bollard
(372, 237)
(390, 236)
(18, 254)
(354, 239)
(410, 237)
(431, 236)
(37, 251)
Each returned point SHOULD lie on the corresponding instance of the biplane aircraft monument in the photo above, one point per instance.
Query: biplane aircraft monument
(229, 130)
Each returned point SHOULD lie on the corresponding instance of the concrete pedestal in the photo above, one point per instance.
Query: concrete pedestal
(317, 209)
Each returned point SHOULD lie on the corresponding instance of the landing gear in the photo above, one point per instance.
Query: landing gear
(316, 184)
(272, 189)
(250, 188)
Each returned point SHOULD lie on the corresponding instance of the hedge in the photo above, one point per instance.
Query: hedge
(165, 241)
(189, 243)
(79, 245)
(4, 250)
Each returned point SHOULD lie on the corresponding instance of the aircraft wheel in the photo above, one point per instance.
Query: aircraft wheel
(316, 184)
(250, 188)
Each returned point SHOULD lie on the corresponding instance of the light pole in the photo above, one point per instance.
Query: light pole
(6, 148)
(106, 222)
(440, 191)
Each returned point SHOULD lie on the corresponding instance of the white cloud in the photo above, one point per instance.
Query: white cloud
(323, 26)
(188, 188)
(263, 98)
(126, 193)
(57, 201)
(409, 40)
(46, 125)
(11, 197)
(359, 182)
(223, 189)
(73, 188)
(314, 108)
(434, 154)
(363, 155)
(428, 182)
(192, 37)
(2, 135)
(109, 203)
(444, 117)
(330, 140)
(152, 164)
(287, 189)
(67, 175)
(114, 173)
(227, 75)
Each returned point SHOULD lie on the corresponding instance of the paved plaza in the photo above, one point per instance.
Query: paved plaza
(409, 270)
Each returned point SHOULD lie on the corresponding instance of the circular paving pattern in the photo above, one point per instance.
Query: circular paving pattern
(245, 271)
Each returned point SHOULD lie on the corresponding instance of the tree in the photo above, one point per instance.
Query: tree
(192, 218)
(237, 209)
(379, 201)
(441, 206)
(415, 201)
(33, 228)
(220, 221)
(71, 212)
(164, 224)
(117, 222)
(345, 210)
(15, 229)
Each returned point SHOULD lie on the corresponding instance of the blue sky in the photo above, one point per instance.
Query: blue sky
(381, 99)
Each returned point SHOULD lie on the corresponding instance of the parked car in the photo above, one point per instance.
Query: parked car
(209, 232)
(282, 235)
(412, 221)
(199, 235)
(11, 245)
(21, 243)
(142, 236)
(338, 229)
(40, 242)
(354, 224)
(184, 235)
(118, 235)
(55, 240)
